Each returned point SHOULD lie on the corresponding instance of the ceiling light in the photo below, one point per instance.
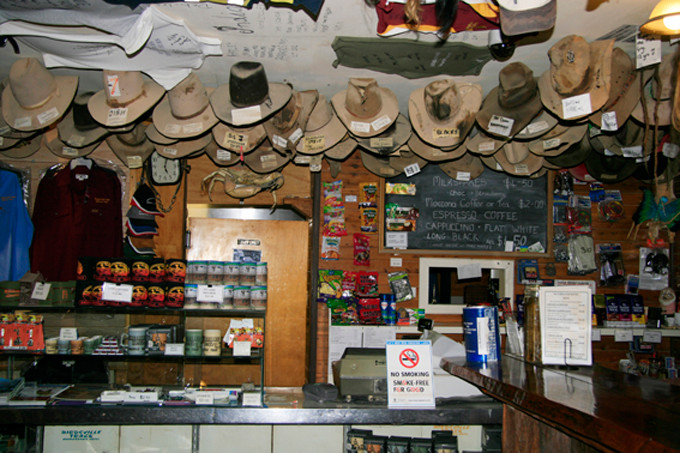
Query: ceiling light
(664, 20)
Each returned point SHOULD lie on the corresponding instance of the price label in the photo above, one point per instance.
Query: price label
(242, 348)
(246, 115)
(314, 143)
(68, 333)
(623, 335)
(172, 129)
(279, 141)
(381, 122)
(113, 86)
(193, 128)
(396, 239)
(251, 399)
(381, 142)
(174, 349)
(412, 169)
(358, 126)
(23, 122)
(500, 125)
(204, 398)
(117, 292)
(609, 122)
(117, 117)
(576, 106)
(40, 291)
(536, 127)
(670, 150)
(223, 155)
(296, 135)
(647, 51)
(462, 176)
(48, 115)
(210, 293)
(651, 336)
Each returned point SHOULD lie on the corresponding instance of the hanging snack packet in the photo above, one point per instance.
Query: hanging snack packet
(369, 219)
(400, 285)
(330, 248)
(362, 250)
(349, 283)
(330, 284)
(367, 284)
(368, 195)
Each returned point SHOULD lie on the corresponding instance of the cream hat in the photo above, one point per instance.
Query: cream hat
(365, 108)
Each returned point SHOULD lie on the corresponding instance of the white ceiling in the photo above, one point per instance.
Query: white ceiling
(295, 47)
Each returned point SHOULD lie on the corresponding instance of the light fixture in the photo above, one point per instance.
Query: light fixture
(664, 20)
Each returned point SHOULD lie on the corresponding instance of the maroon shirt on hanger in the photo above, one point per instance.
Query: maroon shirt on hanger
(77, 213)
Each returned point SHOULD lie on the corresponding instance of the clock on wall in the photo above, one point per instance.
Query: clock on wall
(163, 171)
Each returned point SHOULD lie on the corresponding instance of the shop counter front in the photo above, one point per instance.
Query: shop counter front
(551, 408)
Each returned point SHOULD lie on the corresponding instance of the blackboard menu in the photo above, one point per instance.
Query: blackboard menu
(483, 214)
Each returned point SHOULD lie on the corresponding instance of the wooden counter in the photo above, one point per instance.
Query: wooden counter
(604, 409)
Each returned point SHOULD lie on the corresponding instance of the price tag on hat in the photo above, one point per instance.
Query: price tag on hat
(500, 125)
(576, 106)
(647, 51)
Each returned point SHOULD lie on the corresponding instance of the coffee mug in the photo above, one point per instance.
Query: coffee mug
(212, 342)
(64, 346)
(51, 345)
(89, 345)
(134, 340)
(193, 342)
(77, 346)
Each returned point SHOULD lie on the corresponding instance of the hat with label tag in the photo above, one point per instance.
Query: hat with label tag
(65, 151)
(23, 148)
(265, 159)
(220, 156)
(515, 158)
(432, 153)
(185, 110)
(126, 96)
(378, 165)
(609, 169)
(365, 108)
(443, 112)
(78, 129)
(538, 126)
(189, 147)
(343, 149)
(626, 142)
(388, 141)
(238, 139)
(465, 168)
(248, 98)
(510, 107)
(482, 144)
(404, 157)
(286, 127)
(574, 155)
(518, 17)
(132, 147)
(324, 129)
(557, 140)
(34, 98)
(577, 83)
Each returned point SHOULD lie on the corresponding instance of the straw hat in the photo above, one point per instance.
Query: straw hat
(238, 139)
(433, 154)
(248, 98)
(577, 68)
(132, 148)
(442, 113)
(465, 168)
(365, 108)
(390, 140)
(185, 111)
(286, 127)
(324, 129)
(125, 98)
(34, 98)
(510, 106)
(78, 128)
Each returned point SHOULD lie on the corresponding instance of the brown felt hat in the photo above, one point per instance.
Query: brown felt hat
(378, 165)
(324, 129)
(63, 150)
(557, 140)
(265, 159)
(220, 156)
(78, 129)
(403, 158)
(23, 148)
(443, 112)
(482, 144)
(576, 68)
(34, 98)
(132, 147)
(188, 147)
(516, 159)
(388, 141)
(237, 139)
(286, 127)
(365, 108)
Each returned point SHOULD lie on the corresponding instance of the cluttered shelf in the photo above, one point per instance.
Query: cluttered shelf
(138, 310)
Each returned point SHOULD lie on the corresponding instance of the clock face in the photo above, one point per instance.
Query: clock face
(164, 171)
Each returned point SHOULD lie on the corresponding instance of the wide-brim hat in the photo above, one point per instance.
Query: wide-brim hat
(465, 168)
(576, 68)
(265, 159)
(557, 140)
(34, 98)
(539, 125)
(220, 156)
(189, 147)
(626, 142)
(659, 88)
(286, 127)
(78, 129)
(248, 98)
(443, 112)
(324, 129)
(378, 165)
(432, 153)
(515, 158)
(343, 149)
(9, 136)
(185, 111)
(23, 148)
(126, 96)
(511, 105)
(624, 92)
(480, 143)
(403, 158)
(63, 150)
(239, 140)
(529, 16)
(573, 155)
(609, 169)
(365, 108)
(132, 148)
(390, 140)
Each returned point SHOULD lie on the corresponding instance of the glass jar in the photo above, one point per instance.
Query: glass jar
(532, 325)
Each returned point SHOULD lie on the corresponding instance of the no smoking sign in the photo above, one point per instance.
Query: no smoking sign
(408, 358)
(409, 374)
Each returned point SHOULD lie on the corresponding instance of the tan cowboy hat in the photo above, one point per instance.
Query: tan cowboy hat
(403, 158)
(324, 129)
(576, 68)
(220, 156)
(528, 16)
(185, 110)
(659, 87)
(264, 159)
(624, 93)
(239, 140)
(341, 150)
(365, 108)
(132, 148)
(248, 98)
(10, 137)
(516, 159)
(388, 141)
(125, 98)
(443, 112)
(78, 129)
(478, 142)
(189, 147)
(434, 154)
(510, 106)
(34, 98)
(24, 148)
(465, 168)
(378, 165)
(539, 125)
(557, 140)
(286, 127)
(63, 150)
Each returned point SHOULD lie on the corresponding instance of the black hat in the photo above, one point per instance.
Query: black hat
(145, 199)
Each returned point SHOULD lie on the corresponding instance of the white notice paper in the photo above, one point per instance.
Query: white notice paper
(409, 374)
(566, 325)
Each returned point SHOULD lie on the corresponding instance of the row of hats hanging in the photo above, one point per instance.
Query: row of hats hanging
(588, 111)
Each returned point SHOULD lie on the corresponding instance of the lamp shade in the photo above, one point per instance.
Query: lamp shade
(664, 20)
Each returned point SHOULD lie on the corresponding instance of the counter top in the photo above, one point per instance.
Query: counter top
(602, 407)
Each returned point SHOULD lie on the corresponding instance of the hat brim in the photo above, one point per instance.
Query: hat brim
(99, 108)
(463, 119)
(432, 153)
(379, 166)
(521, 114)
(573, 155)
(23, 149)
(365, 127)
(265, 159)
(183, 148)
(131, 156)
(63, 150)
(72, 136)
(220, 156)
(47, 114)
(528, 21)
(609, 169)
(403, 158)
(233, 138)
(341, 150)
(555, 144)
(389, 140)
(465, 168)
(527, 166)
(322, 139)
(180, 128)
(540, 125)
(220, 100)
(483, 144)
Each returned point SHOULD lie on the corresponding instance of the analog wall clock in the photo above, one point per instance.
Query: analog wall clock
(163, 171)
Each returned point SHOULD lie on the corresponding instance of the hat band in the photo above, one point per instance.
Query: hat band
(41, 103)
(115, 104)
